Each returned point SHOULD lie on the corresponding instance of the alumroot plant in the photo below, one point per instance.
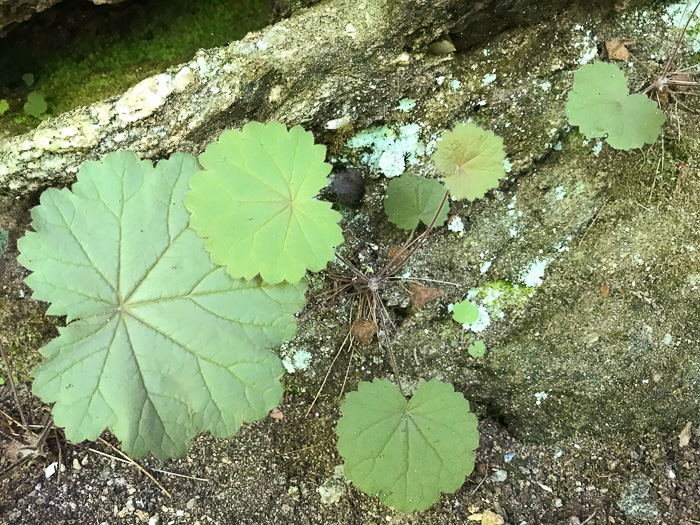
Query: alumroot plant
(178, 281)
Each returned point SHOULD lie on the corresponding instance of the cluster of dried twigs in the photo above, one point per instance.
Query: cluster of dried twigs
(672, 82)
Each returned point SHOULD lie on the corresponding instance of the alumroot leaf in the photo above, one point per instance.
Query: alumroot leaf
(254, 203)
(601, 106)
(407, 451)
(161, 343)
(472, 160)
(411, 199)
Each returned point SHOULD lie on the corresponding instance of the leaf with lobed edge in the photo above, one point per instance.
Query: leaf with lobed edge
(601, 106)
(161, 343)
(407, 451)
(411, 199)
(255, 205)
(472, 160)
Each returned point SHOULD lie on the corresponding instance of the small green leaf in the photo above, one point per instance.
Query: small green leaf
(255, 204)
(472, 160)
(407, 452)
(411, 199)
(477, 349)
(161, 343)
(600, 104)
(35, 104)
(3, 241)
(465, 312)
(4, 106)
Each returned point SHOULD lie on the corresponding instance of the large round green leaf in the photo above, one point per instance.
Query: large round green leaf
(407, 452)
(161, 343)
(472, 160)
(254, 203)
(411, 199)
(599, 104)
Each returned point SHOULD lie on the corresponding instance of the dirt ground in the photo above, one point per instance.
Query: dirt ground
(281, 471)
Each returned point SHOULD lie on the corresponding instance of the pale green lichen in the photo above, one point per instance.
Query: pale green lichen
(500, 298)
(406, 104)
(299, 360)
(676, 15)
(386, 151)
(533, 274)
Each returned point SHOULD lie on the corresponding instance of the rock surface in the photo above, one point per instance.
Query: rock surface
(16, 11)
(330, 54)
(585, 259)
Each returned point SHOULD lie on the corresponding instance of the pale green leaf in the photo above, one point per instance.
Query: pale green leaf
(161, 343)
(254, 203)
(35, 104)
(465, 312)
(3, 241)
(4, 106)
(407, 451)
(411, 199)
(477, 349)
(600, 104)
(472, 160)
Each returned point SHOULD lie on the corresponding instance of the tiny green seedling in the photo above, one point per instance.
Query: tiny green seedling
(465, 312)
(35, 105)
(477, 349)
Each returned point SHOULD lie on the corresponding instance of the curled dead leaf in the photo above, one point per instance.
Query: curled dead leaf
(363, 330)
(276, 414)
(684, 436)
(617, 49)
(424, 294)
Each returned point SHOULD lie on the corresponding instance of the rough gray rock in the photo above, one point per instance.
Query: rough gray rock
(16, 11)
(351, 60)
(565, 358)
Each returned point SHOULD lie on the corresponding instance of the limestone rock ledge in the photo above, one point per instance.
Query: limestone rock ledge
(604, 339)
(16, 11)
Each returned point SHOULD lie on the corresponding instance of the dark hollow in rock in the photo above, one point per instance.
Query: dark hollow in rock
(349, 186)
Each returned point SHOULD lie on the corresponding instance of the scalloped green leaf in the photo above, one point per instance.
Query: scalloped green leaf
(600, 104)
(407, 451)
(411, 199)
(472, 160)
(161, 343)
(35, 104)
(465, 312)
(477, 349)
(254, 203)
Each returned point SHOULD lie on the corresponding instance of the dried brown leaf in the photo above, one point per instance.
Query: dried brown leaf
(363, 330)
(424, 294)
(618, 48)
(684, 436)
